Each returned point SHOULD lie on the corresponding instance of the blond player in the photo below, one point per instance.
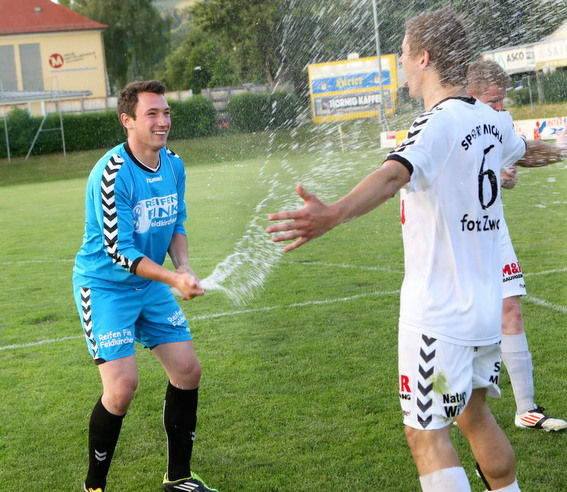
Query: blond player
(487, 81)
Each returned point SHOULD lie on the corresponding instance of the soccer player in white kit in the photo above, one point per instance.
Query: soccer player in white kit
(488, 81)
(451, 300)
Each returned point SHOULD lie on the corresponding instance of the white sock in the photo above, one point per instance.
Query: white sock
(446, 480)
(514, 487)
(518, 362)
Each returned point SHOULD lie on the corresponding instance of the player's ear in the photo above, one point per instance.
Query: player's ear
(126, 120)
(424, 59)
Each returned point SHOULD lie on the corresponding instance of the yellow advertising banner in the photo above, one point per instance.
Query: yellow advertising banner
(350, 89)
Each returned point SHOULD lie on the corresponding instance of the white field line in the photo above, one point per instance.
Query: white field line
(340, 265)
(41, 342)
(533, 300)
(219, 315)
(30, 262)
(540, 302)
(298, 304)
(311, 263)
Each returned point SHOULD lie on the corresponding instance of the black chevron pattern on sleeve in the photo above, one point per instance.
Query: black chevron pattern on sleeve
(109, 211)
(414, 131)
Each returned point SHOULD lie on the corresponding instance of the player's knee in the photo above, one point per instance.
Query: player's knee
(415, 440)
(118, 396)
(194, 373)
(424, 444)
(188, 375)
(499, 469)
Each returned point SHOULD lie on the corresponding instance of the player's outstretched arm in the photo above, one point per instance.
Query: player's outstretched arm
(316, 218)
(540, 153)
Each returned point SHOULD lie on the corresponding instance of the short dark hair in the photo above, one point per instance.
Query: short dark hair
(484, 73)
(443, 35)
(128, 99)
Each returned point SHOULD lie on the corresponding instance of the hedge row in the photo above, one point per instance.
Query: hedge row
(254, 112)
(195, 117)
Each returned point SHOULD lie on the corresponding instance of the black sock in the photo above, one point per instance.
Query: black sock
(104, 429)
(180, 421)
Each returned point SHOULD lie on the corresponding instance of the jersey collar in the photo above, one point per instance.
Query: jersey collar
(138, 162)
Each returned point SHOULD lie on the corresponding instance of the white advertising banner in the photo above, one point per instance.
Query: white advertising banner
(544, 128)
(551, 54)
(514, 60)
(541, 129)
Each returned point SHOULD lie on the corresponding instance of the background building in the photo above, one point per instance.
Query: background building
(47, 47)
(548, 54)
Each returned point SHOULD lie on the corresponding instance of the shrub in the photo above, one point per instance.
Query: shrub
(97, 130)
(89, 131)
(251, 112)
(193, 118)
(21, 131)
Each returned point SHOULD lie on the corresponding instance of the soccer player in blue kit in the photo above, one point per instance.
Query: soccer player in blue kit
(135, 210)
(447, 172)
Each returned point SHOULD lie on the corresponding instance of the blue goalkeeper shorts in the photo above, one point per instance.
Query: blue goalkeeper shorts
(114, 318)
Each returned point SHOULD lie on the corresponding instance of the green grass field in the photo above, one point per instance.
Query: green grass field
(299, 388)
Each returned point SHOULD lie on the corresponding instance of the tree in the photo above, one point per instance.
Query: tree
(198, 63)
(136, 40)
(245, 31)
(275, 40)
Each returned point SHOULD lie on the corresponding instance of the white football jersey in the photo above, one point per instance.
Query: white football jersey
(451, 213)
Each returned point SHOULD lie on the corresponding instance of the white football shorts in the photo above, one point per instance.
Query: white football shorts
(436, 378)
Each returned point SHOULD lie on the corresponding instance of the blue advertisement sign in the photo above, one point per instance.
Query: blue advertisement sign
(368, 80)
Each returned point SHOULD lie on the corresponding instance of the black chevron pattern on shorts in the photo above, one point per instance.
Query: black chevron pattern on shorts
(424, 385)
(87, 319)
(110, 216)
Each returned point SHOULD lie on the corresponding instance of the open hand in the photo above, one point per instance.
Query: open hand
(303, 224)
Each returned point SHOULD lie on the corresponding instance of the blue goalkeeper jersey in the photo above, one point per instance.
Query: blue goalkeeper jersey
(132, 212)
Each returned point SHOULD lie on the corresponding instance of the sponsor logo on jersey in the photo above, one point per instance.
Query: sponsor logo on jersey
(511, 271)
(155, 212)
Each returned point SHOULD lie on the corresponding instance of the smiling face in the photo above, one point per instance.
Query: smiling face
(493, 96)
(148, 130)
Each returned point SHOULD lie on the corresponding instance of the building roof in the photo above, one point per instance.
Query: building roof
(559, 33)
(12, 98)
(37, 16)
